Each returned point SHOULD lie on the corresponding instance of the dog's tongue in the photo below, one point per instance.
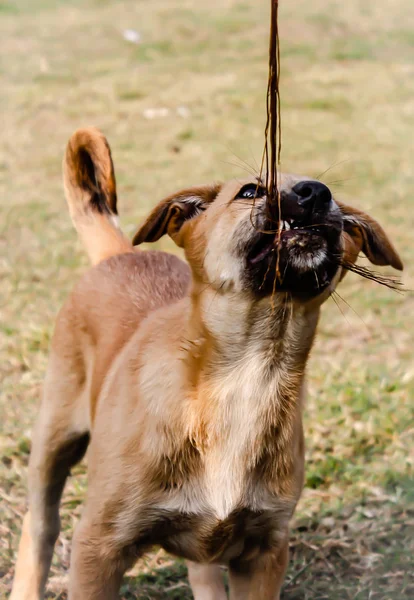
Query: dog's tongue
(264, 252)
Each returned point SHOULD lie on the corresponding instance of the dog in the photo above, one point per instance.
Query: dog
(185, 380)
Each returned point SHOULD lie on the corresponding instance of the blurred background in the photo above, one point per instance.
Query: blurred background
(178, 87)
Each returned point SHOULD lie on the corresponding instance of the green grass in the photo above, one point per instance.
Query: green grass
(347, 91)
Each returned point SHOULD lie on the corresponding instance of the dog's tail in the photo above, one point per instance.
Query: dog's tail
(90, 189)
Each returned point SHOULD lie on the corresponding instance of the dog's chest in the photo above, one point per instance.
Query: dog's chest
(232, 521)
(228, 439)
(204, 538)
(244, 403)
(224, 508)
(221, 515)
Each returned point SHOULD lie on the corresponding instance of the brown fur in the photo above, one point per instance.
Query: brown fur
(188, 388)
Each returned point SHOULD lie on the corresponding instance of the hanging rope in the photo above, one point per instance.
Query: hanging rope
(273, 142)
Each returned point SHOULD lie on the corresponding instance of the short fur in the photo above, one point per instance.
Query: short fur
(186, 381)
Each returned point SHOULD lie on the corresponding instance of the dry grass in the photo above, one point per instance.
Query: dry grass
(348, 106)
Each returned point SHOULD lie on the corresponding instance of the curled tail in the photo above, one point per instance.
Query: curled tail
(90, 189)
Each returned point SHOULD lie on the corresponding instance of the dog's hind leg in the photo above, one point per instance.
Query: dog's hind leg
(60, 440)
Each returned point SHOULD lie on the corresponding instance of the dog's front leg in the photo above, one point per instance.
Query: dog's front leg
(96, 567)
(259, 578)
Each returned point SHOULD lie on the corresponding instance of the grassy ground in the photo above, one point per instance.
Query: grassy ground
(348, 106)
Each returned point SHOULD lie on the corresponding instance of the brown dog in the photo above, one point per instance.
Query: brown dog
(186, 381)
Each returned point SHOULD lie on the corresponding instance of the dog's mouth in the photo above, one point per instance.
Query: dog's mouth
(289, 232)
(299, 255)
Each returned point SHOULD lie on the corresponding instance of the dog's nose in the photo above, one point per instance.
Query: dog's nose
(313, 196)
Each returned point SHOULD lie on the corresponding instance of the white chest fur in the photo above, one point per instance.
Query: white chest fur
(242, 399)
(237, 405)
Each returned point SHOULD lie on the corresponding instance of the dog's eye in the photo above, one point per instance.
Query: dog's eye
(251, 191)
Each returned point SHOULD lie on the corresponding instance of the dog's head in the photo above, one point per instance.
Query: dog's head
(234, 241)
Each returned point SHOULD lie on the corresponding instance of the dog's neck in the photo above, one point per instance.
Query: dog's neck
(232, 328)
(247, 357)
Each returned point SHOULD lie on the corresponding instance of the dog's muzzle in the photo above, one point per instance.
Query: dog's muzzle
(296, 245)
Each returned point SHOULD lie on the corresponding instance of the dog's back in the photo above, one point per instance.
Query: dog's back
(94, 327)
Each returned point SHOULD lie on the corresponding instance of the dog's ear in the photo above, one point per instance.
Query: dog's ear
(171, 213)
(367, 236)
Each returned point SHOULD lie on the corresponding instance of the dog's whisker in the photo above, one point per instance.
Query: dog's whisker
(336, 294)
(252, 169)
(333, 166)
(340, 309)
(256, 164)
(240, 166)
(342, 181)
(318, 285)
